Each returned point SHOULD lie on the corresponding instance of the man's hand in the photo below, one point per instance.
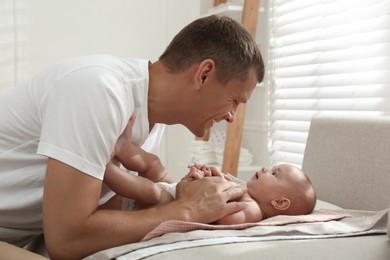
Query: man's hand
(209, 199)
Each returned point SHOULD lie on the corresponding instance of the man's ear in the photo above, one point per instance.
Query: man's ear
(203, 72)
(281, 203)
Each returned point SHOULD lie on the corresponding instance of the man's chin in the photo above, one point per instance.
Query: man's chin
(199, 133)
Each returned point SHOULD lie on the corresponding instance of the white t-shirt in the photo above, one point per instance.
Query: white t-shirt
(73, 111)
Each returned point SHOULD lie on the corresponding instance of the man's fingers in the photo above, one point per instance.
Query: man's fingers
(227, 177)
(232, 195)
(230, 190)
(234, 206)
(216, 172)
(234, 192)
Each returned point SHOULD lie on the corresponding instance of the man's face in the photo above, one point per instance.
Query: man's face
(220, 102)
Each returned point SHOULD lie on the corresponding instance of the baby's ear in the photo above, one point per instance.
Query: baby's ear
(281, 203)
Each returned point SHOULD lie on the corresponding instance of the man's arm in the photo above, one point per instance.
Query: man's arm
(74, 227)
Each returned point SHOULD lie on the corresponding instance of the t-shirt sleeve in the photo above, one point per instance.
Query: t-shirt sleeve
(84, 115)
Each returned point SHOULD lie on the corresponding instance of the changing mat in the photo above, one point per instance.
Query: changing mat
(340, 223)
(173, 226)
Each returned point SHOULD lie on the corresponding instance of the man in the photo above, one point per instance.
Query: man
(59, 131)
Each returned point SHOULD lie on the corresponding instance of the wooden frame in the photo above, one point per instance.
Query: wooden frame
(235, 129)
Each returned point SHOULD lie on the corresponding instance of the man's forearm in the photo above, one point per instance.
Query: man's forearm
(109, 228)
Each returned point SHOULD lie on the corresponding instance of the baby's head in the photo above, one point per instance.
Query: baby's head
(283, 190)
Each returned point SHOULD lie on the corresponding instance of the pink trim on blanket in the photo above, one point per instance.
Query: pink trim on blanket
(174, 226)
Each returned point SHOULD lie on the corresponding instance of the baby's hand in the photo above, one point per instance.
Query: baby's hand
(123, 144)
(199, 171)
(204, 168)
(195, 173)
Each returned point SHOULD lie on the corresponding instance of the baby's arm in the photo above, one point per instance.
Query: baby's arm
(252, 213)
(165, 198)
(136, 159)
(146, 164)
(142, 190)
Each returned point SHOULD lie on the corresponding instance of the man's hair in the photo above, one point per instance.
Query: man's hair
(219, 38)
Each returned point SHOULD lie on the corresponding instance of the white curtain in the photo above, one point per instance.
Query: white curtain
(328, 57)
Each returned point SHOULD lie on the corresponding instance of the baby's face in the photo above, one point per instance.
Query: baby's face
(267, 185)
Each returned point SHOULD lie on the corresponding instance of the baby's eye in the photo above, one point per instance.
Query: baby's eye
(274, 174)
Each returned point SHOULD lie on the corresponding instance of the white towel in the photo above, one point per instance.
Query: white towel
(202, 152)
(245, 158)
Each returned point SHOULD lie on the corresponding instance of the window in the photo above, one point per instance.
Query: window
(327, 57)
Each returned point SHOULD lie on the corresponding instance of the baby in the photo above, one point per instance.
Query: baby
(283, 190)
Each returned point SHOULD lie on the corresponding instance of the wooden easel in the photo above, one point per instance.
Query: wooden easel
(235, 129)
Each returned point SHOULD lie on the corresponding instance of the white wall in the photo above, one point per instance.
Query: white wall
(54, 29)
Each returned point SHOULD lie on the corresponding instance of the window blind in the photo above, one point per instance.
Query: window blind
(327, 57)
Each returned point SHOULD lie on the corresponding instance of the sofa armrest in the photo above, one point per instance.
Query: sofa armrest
(348, 161)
